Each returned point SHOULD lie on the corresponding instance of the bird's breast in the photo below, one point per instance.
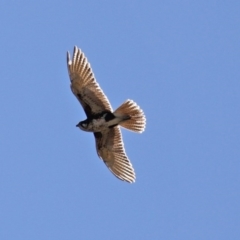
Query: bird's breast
(97, 125)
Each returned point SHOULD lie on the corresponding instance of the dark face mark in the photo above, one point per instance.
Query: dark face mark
(97, 135)
(82, 124)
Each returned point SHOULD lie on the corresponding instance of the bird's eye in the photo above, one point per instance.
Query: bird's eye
(84, 125)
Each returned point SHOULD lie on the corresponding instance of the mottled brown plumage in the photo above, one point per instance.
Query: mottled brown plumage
(101, 120)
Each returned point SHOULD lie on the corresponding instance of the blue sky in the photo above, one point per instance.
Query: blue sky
(179, 60)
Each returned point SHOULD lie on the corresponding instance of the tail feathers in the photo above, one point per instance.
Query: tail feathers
(134, 115)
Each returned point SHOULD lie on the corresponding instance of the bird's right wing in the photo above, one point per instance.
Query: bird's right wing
(84, 86)
(111, 150)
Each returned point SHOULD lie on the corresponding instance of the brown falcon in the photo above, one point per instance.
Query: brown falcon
(101, 119)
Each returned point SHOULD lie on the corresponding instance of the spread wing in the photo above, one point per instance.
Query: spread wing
(111, 150)
(84, 86)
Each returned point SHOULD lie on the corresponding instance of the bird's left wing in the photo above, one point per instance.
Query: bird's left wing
(111, 150)
(84, 86)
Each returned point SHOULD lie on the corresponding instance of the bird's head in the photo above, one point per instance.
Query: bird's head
(83, 125)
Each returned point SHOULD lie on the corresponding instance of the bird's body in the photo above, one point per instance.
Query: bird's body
(101, 119)
(100, 122)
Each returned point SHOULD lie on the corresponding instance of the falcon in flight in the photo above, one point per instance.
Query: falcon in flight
(101, 120)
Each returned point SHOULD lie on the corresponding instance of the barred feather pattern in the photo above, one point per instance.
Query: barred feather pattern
(137, 121)
(84, 85)
(110, 149)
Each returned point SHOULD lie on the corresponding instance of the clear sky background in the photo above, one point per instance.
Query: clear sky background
(180, 61)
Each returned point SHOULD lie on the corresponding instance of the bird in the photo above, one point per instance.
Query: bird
(101, 120)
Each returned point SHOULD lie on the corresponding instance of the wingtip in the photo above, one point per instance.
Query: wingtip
(69, 62)
(76, 49)
(132, 181)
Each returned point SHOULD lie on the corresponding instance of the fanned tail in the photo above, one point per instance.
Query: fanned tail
(136, 120)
